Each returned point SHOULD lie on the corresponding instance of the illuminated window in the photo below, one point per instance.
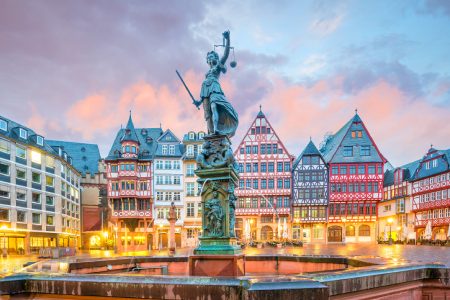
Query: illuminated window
(50, 220)
(36, 157)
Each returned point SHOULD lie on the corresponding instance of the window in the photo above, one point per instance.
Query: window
(287, 183)
(49, 200)
(434, 163)
(271, 167)
(263, 184)
(172, 150)
(371, 169)
(343, 170)
(361, 170)
(334, 170)
(263, 167)
(279, 167)
(247, 149)
(365, 150)
(190, 170)
(21, 153)
(241, 168)
(4, 214)
(168, 165)
(36, 177)
(352, 170)
(40, 140)
(271, 183)
(274, 148)
(248, 168)
(4, 146)
(36, 157)
(176, 179)
(3, 125)
(49, 181)
(23, 133)
(255, 184)
(280, 183)
(350, 230)
(21, 216)
(4, 169)
(36, 218)
(190, 209)
(364, 230)
(21, 196)
(176, 165)
(348, 151)
(164, 149)
(50, 220)
(4, 192)
(255, 149)
(190, 189)
(263, 148)
(190, 150)
(287, 167)
(191, 135)
(241, 150)
(36, 198)
(255, 167)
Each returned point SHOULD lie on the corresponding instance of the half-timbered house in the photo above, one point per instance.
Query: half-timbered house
(309, 196)
(264, 194)
(356, 182)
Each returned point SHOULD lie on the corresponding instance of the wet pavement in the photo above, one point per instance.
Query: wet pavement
(368, 252)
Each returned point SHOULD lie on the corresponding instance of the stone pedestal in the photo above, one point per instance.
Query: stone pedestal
(172, 236)
(217, 265)
(218, 174)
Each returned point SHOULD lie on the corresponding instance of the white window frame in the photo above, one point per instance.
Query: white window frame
(164, 149)
(23, 133)
(3, 125)
(24, 150)
(40, 140)
(40, 218)
(191, 135)
(9, 169)
(190, 150)
(17, 219)
(172, 150)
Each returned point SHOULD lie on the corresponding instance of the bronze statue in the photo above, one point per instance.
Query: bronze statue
(214, 215)
(220, 116)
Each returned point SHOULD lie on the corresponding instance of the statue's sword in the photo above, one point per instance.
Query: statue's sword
(187, 89)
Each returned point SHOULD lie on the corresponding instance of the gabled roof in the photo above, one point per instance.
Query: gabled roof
(85, 157)
(169, 138)
(443, 164)
(147, 138)
(310, 150)
(409, 170)
(129, 132)
(333, 146)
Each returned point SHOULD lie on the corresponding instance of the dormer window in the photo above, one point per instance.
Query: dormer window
(40, 140)
(133, 149)
(190, 150)
(172, 150)
(435, 163)
(83, 149)
(191, 135)
(148, 139)
(164, 149)
(201, 135)
(144, 131)
(127, 149)
(3, 125)
(169, 138)
(22, 133)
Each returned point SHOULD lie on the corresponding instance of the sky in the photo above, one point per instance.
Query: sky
(72, 70)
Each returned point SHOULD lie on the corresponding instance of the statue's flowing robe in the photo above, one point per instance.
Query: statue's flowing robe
(211, 89)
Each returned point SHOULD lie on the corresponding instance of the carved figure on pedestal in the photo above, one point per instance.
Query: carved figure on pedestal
(217, 154)
(232, 204)
(214, 215)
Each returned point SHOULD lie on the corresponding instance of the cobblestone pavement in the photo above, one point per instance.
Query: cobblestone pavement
(400, 253)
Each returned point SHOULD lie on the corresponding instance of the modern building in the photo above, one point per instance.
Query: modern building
(310, 196)
(129, 169)
(192, 142)
(94, 207)
(356, 174)
(168, 188)
(431, 195)
(39, 192)
(263, 210)
(395, 216)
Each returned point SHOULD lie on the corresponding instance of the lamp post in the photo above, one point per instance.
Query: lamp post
(390, 221)
(115, 239)
(344, 219)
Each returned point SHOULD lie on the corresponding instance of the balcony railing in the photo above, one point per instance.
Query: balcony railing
(132, 213)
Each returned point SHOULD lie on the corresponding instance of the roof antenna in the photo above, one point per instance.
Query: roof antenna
(260, 108)
(310, 138)
(356, 111)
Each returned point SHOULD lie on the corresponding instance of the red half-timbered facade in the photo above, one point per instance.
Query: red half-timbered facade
(264, 193)
(431, 195)
(355, 167)
(129, 186)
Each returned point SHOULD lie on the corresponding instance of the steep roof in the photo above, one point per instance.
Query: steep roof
(130, 132)
(310, 150)
(169, 138)
(333, 146)
(147, 138)
(409, 170)
(443, 164)
(85, 157)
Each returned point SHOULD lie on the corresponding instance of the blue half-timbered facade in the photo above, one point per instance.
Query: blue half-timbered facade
(309, 195)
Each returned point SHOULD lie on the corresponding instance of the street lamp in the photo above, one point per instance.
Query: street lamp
(390, 221)
(344, 219)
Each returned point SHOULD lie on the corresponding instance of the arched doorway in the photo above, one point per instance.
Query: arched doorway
(266, 233)
(163, 240)
(334, 234)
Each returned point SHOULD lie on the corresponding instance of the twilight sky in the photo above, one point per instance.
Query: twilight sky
(72, 70)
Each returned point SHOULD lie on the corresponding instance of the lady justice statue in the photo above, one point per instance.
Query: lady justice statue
(220, 116)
